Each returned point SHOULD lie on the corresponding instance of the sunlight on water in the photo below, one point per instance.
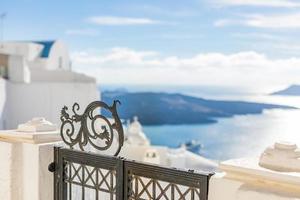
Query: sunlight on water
(273, 99)
(240, 136)
(276, 99)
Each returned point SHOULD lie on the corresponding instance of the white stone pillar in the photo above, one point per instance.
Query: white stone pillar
(24, 160)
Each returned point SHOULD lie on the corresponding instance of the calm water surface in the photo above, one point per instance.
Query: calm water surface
(239, 136)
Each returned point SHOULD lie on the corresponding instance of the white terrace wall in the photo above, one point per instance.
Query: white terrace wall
(245, 179)
(46, 99)
(222, 187)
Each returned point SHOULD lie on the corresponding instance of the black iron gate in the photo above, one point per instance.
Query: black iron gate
(89, 176)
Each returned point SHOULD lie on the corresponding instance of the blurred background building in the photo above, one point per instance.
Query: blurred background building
(36, 79)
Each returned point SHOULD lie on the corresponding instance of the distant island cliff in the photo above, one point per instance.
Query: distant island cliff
(293, 90)
(163, 108)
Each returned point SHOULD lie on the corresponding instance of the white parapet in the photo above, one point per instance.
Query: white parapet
(244, 179)
(25, 157)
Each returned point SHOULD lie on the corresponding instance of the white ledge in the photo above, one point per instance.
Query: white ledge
(248, 168)
(29, 137)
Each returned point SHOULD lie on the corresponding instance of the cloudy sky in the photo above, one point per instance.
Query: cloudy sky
(253, 45)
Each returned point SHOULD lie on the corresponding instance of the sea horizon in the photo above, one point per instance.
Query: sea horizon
(233, 137)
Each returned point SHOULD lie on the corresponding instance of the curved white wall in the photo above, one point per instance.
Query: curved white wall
(2, 101)
(58, 57)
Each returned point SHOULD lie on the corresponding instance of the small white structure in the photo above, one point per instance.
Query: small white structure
(25, 157)
(137, 147)
(282, 156)
(152, 156)
(36, 79)
(135, 134)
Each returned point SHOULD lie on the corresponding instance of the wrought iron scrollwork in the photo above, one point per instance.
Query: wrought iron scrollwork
(95, 129)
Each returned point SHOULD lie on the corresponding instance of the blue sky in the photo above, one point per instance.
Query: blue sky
(187, 40)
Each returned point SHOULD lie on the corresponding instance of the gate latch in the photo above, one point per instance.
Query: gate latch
(52, 167)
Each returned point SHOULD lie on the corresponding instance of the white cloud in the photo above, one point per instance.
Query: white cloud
(82, 32)
(228, 22)
(279, 21)
(116, 55)
(260, 36)
(250, 70)
(112, 20)
(158, 10)
(264, 3)
(173, 36)
(290, 47)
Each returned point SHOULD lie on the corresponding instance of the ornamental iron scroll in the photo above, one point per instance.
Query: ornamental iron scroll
(95, 130)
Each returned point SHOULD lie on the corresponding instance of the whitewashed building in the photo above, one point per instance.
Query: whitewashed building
(36, 79)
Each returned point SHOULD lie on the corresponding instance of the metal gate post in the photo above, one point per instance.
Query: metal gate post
(119, 179)
(57, 168)
(53, 167)
(55, 173)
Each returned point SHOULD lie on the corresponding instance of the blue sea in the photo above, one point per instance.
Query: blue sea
(239, 136)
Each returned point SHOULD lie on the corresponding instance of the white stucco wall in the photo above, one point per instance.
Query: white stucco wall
(2, 101)
(45, 99)
(18, 70)
(244, 178)
(38, 75)
(222, 187)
